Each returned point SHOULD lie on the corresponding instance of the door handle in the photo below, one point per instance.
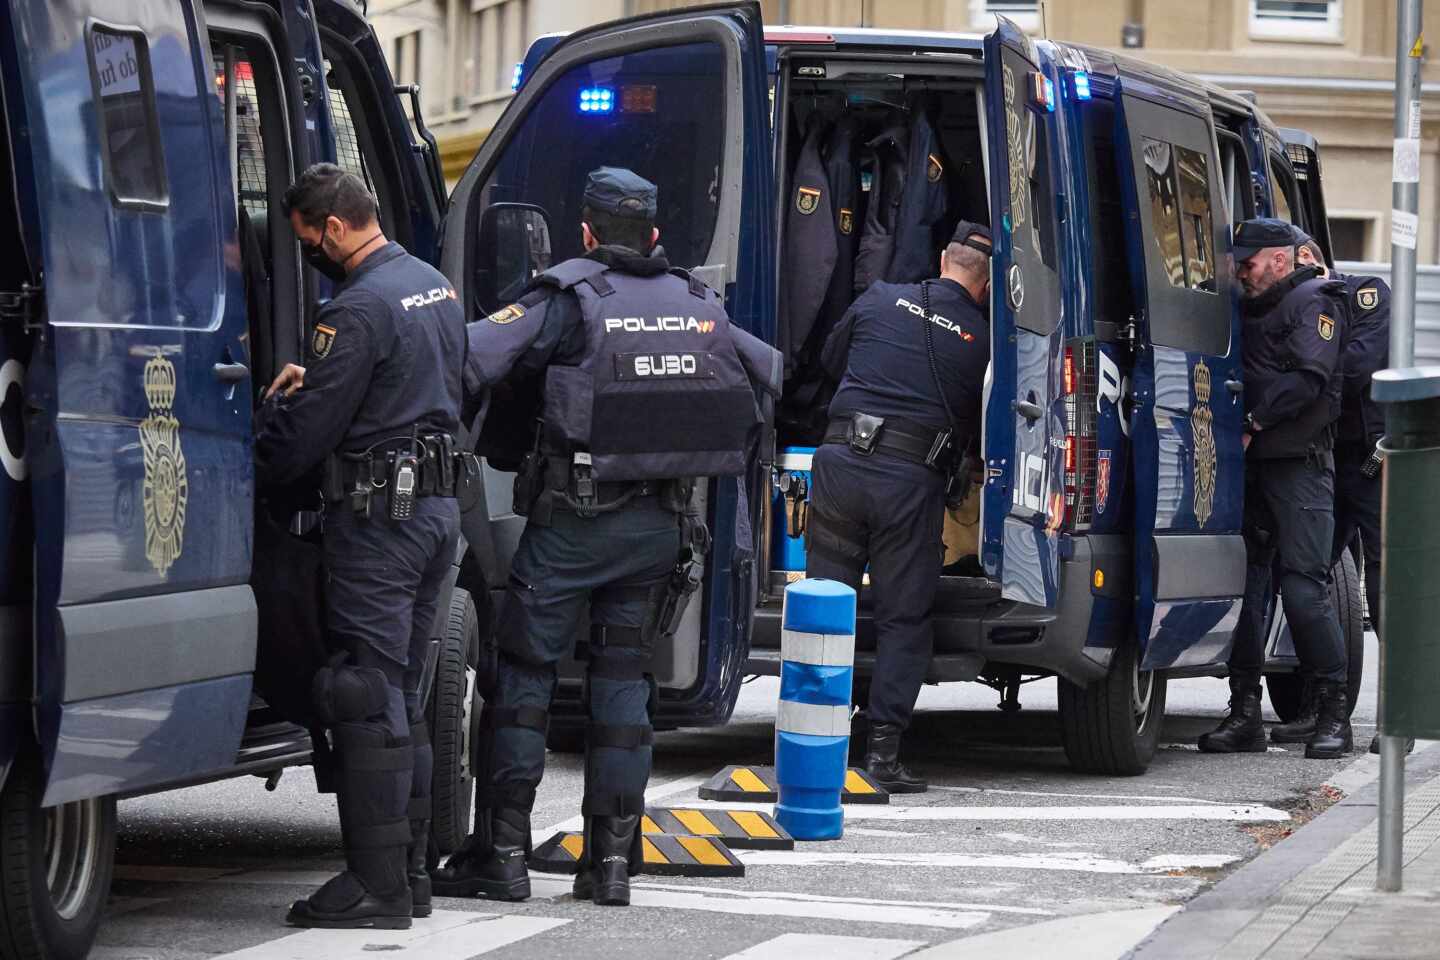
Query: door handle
(231, 372)
(1030, 411)
(1235, 386)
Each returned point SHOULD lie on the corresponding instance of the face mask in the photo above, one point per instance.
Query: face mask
(316, 257)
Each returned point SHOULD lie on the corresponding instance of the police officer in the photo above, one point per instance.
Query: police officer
(374, 409)
(1362, 424)
(640, 381)
(910, 359)
(1294, 327)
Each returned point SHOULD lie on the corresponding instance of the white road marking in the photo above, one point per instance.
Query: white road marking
(787, 946)
(1037, 841)
(1079, 862)
(774, 906)
(1073, 796)
(445, 935)
(855, 901)
(1096, 936)
(874, 832)
(1239, 813)
(1195, 747)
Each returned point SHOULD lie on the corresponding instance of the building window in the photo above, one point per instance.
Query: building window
(1350, 238)
(406, 65)
(1025, 13)
(1295, 19)
(497, 43)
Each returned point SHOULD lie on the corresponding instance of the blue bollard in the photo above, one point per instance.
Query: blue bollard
(812, 720)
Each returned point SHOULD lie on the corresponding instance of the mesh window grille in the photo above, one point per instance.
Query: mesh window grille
(249, 147)
(347, 142)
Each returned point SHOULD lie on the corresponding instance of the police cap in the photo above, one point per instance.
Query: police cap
(621, 193)
(972, 235)
(1252, 236)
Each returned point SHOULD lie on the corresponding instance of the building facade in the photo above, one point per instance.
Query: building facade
(1326, 66)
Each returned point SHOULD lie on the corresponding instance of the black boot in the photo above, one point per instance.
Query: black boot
(492, 871)
(882, 760)
(1332, 739)
(1302, 728)
(418, 874)
(1241, 731)
(604, 874)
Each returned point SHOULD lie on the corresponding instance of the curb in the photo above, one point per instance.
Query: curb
(1209, 921)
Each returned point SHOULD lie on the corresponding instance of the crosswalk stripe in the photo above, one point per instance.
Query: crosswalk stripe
(851, 901)
(1239, 813)
(1078, 862)
(445, 935)
(787, 946)
(673, 898)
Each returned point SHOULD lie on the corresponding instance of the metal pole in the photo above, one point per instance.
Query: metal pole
(1404, 234)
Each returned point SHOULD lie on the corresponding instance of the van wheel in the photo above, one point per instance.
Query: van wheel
(1112, 726)
(1285, 689)
(454, 716)
(55, 869)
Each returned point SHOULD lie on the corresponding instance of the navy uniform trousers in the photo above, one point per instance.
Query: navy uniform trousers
(1357, 510)
(1289, 526)
(889, 513)
(614, 567)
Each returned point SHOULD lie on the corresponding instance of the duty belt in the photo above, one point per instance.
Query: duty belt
(896, 438)
(438, 470)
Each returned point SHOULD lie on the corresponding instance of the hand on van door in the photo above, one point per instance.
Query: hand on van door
(292, 378)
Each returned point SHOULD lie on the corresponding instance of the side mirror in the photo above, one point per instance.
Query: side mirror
(514, 246)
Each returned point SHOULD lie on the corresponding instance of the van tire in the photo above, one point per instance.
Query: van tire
(39, 921)
(1285, 689)
(454, 717)
(1112, 726)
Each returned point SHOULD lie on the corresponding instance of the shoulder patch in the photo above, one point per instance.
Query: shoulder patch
(507, 314)
(807, 199)
(1367, 298)
(847, 220)
(934, 169)
(1326, 327)
(323, 340)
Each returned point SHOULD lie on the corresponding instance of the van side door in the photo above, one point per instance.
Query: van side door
(1023, 503)
(137, 396)
(1303, 152)
(1188, 407)
(681, 98)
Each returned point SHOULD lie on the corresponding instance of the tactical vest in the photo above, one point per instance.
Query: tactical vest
(1313, 426)
(660, 391)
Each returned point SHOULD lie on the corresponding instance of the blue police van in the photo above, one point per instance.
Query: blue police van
(1109, 551)
(160, 616)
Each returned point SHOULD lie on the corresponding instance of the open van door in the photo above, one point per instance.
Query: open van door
(1188, 405)
(137, 396)
(1304, 155)
(680, 98)
(1024, 502)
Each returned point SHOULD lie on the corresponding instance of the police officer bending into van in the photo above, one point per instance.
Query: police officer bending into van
(641, 389)
(910, 359)
(1357, 439)
(1294, 327)
(375, 410)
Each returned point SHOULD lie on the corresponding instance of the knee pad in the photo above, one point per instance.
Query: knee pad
(344, 693)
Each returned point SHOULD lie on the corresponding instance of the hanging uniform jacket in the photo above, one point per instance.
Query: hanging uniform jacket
(922, 204)
(810, 246)
(842, 172)
(885, 155)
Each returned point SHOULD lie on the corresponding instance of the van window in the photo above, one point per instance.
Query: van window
(1235, 179)
(1110, 261)
(1032, 199)
(1282, 190)
(129, 132)
(658, 111)
(357, 127)
(1179, 188)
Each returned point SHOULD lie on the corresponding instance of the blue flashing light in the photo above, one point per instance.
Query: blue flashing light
(1049, 95)
(1082, 85)
(515, 77)
(597, 100)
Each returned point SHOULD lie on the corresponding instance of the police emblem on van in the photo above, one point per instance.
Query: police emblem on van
(1202, 427)
(166, 489)
(323, 340)
(1325, 327)
(807, 200)
(1368, 298)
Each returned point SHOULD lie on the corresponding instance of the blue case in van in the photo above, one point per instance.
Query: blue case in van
(789, 552)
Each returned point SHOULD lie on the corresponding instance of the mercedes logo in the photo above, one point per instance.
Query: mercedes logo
(1015, 286)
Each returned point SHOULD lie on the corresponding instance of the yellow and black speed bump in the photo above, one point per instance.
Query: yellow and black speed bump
(755, 784)
(738, 829)
(665, 856)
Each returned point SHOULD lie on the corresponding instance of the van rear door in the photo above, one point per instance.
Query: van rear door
(1023, 502)
(681, 99)
(137, 396)
(1188, 406)
(1304, 155)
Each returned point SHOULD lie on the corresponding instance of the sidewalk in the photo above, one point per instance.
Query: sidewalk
(1313, 894)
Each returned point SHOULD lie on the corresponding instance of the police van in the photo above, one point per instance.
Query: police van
(1109, 551)
(160, 617)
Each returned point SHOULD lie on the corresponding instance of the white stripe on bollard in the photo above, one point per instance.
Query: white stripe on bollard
(819, 649)
(813, 719)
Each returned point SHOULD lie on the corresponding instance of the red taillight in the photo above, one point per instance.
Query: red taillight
(1080, 385)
